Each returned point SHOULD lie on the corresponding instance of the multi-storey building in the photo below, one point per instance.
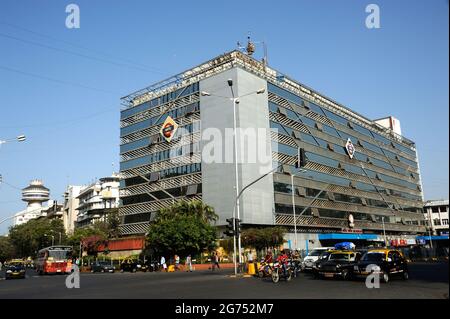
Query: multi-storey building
(52, 211)
(71, 203)
(97, 200)
(375, 191)
(436, 213)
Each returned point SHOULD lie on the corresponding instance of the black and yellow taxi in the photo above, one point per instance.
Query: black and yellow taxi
(339, 264)
(386, 262)
(15, 269)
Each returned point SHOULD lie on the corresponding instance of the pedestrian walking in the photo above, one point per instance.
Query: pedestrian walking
(188, 263)
(215, 261)
(163, 263)
(177, 262)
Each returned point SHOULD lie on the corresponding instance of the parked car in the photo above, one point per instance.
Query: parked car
(102, 266)
(129, 265)
(386, 262)
(340, 263)
(15, 269)
(143, 266)
(313, 256)
(324, 255)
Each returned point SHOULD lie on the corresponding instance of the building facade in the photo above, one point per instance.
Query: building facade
(97, 200)
(35, 195)
(71, 203)
(52, 211)
(436, 213)
(376, 191)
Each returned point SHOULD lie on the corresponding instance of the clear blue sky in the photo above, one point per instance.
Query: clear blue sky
(400, 69)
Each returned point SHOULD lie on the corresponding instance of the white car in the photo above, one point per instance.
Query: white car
(312, 257)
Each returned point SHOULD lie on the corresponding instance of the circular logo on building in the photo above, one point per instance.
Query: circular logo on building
(351, 221)
(168, 129)
(350, 148)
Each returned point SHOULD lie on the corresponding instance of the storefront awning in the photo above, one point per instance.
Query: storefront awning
(338, 236)
(432, 237)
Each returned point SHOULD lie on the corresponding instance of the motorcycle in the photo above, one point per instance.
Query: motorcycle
(265, 270)
(280, 271)
(295, 266)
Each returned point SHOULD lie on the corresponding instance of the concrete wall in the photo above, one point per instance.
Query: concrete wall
(218, 178)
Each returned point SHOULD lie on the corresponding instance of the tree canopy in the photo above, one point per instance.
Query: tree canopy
(6, 249)
(261, 238)
(183, 228)
(36, 234)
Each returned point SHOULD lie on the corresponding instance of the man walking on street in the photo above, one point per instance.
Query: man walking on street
(215, 261)
(163, 263)
(188, 263)
(177, 262)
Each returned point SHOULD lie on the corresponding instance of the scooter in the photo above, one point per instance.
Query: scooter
(265, 269)
(278, 272)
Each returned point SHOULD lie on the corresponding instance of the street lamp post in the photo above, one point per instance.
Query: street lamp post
(384, 232)
(236, 209)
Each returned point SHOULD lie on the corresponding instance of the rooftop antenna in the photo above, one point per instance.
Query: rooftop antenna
(251, 48)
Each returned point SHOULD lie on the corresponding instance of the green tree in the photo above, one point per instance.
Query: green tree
(262, 238)
(183, 228)
(96, 234)
(36, 234)
(6, 249)
(89, 237)
(195, 208)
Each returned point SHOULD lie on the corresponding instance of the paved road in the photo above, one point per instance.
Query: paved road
(428, 280)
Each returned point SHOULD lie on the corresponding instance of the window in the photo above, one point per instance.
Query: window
(445, 222)
(335, 117)
(435, 209)
(443, 209)
(332, 213)
(315, 108)
(282, 188)
(437, 222)
(282, 111)
(191, 190)
(330, 130)
(310, 192)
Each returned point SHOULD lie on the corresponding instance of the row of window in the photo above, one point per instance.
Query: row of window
(437, 222)
(311, 192)
(343, 136)
(341, 181)
(336, 118)
(160, 100)
(437, 209)
(170, 172)
(167, 154)
(175, 192)
(182, 131)
(277, 127)
(330, 213)
(158, 119)
(286, 149)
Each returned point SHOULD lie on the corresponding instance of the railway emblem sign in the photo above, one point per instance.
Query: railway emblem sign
(350, 148)
(168, 129)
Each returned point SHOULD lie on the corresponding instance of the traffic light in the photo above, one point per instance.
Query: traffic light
(237, 226)
(230, 227)
(302, 159)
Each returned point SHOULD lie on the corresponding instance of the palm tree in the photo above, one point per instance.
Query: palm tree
(196, 208)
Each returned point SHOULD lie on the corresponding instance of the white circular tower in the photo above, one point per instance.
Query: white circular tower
(35, 194)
